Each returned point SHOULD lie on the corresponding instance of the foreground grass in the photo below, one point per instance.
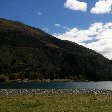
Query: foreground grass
(56, 103)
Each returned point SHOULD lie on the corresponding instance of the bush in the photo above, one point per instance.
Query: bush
(3, 78)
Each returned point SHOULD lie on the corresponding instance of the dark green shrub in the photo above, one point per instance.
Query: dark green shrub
(4, 78)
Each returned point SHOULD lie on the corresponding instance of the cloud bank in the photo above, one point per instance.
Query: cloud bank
(97, 37)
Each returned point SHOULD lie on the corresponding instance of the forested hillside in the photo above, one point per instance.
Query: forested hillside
(27, 52)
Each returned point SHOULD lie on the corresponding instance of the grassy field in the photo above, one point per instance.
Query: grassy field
(56, 103)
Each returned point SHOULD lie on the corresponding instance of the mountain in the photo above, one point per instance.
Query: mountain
(28, 52)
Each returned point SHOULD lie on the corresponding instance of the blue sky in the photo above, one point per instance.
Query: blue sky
(53, 12)
(62, 19)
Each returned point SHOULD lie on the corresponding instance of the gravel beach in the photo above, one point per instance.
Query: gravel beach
(53, 91)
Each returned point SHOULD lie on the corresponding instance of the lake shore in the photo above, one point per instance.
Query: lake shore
(53, 91)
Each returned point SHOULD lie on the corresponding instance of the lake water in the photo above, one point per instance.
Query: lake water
(56, 85)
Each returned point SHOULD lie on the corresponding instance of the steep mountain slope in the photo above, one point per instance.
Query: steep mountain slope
(27, 52)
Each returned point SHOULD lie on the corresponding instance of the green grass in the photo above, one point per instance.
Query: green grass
(56, 103)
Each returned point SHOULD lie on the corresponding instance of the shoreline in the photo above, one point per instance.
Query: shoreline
(48, 80)
(53, 91)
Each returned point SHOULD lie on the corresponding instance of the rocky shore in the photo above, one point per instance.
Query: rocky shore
(53, 91)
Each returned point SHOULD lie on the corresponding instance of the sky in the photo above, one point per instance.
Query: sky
(86, 22)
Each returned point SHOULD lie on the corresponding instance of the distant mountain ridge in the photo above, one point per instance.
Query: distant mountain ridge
(28, 52)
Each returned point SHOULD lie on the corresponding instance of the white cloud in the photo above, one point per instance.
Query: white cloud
(61, 26)
(76, 5)
(57, 25)
(45, 29)
(37, 12)
(102, 6)
(97, 37)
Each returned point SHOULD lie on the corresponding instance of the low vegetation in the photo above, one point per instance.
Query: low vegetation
(4, 78)
(56, 103)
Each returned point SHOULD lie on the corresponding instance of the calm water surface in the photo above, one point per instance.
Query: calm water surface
(56, 85)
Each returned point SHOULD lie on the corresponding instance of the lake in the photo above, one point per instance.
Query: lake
(56, 85)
